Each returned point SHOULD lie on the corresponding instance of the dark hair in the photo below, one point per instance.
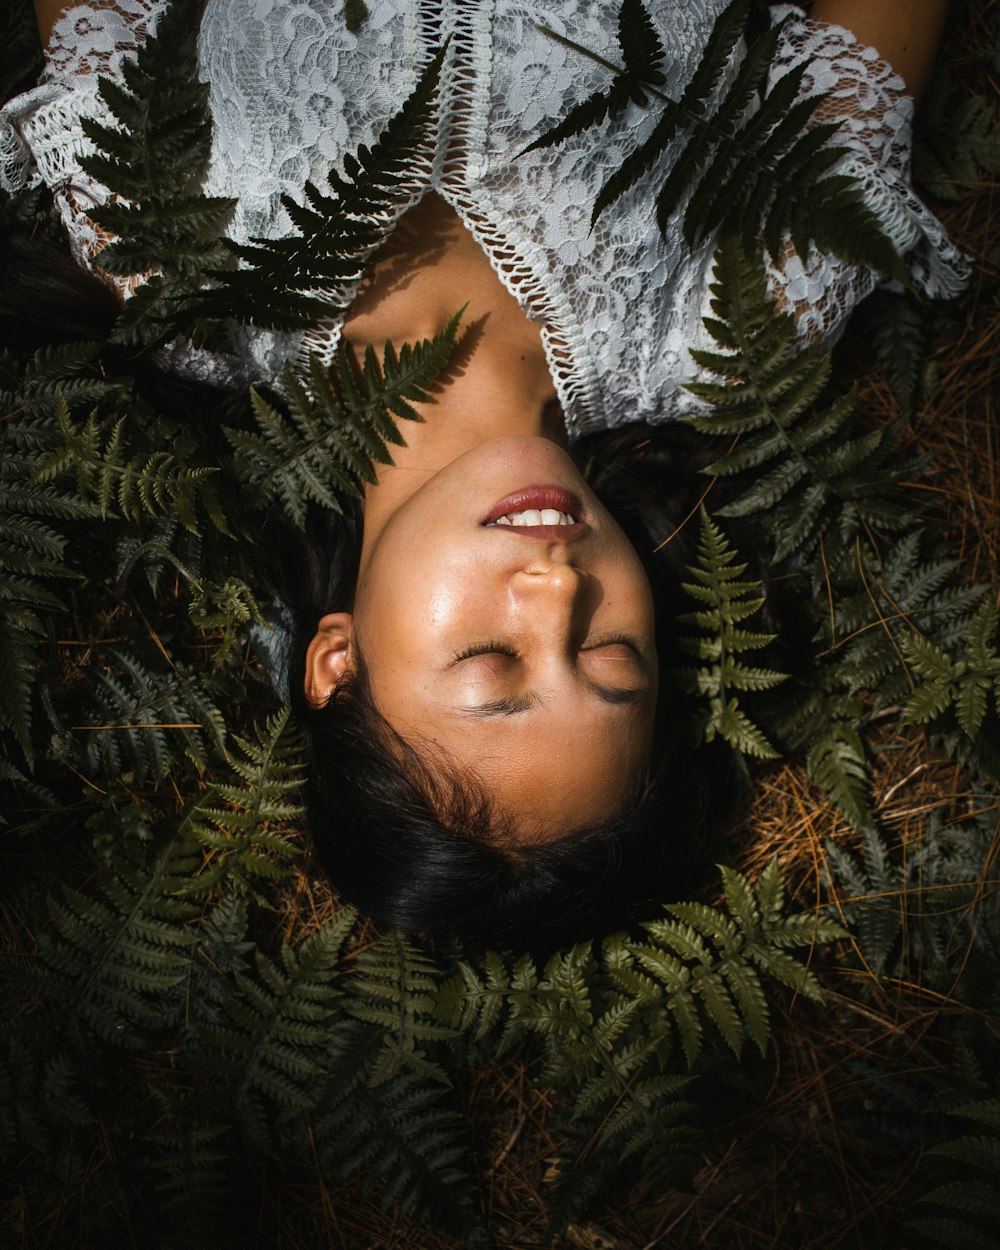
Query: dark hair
(427, 852)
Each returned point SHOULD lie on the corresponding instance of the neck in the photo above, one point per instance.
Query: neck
(497, 384)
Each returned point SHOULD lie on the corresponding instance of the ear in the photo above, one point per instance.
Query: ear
(330, 657)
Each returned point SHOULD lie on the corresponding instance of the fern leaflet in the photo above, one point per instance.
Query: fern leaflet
(726, 602)
(292, 282)
(746, 161)
(335, 430)
(248, 827)
(809, 470)
(153, 162)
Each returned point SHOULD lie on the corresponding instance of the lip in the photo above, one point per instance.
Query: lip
(539, 497)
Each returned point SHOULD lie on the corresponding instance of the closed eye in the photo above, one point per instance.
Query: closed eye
(485, 648)
(605, 642)
(612, 640)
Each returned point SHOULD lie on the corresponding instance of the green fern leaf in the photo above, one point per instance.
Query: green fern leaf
(969, 684)
(837, 763)
(810, 472)
(293, 282)
(331, 437)
(738, 167)
(153, 164)
(396, 989)
(729, 601)
(250, 828)
(106, 970)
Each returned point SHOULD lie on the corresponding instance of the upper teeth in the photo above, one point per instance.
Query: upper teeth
(535, 516)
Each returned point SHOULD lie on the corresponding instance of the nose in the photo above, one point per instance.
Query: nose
(552, 604)
(551, 581)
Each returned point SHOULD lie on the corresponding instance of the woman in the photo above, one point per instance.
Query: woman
(481, 667)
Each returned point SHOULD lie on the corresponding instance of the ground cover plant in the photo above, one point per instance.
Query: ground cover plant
(203, 1045)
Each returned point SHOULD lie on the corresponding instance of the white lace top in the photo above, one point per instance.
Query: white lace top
(292, 90)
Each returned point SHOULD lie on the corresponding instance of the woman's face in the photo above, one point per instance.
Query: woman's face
(523, 653)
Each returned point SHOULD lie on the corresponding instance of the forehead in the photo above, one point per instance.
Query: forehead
(560, 765)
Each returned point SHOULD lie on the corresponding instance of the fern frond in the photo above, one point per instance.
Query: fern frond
(922, 911)
(148, 483)
(404, 1138)
(957, 139)
(338, 429)
(153, 162)
(105, 969)
(188, 1166)
(812, 472)
(838, 763)
(969, 684)
(293, 282)
(249, 827)
(396, 989)
(641, 50)
(749, 164)
(131, 719)
(278, 1025)
(968, 1206)
(726, 603)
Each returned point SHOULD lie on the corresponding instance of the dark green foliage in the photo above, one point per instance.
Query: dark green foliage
(294, 282)
(611, 1019)
(833, 503)
(810, 471)
(641, 50)
(249, 827)
(269, 1049)
(164, 228)
(969, 683)
(924, 910)
(897, 327)
(338, 426)
(133, 719)
(726, 602)
(396, 991)
(39, 1099)
(20, 55)
(189, 1165)
(104, 969)
(128, 485)
(403, 1137)
(964, 1211)
(168, 1034)
(957, 139)
(745, 163)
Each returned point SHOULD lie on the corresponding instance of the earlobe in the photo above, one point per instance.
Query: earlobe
(329, 658)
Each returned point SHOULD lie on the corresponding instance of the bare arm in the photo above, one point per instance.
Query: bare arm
(905, 33)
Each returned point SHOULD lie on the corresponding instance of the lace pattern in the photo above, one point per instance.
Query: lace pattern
(41, 135)
(292, 90)
(876, 115)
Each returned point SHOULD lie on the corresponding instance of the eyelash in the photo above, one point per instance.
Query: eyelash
(501, 648)
(486, 648)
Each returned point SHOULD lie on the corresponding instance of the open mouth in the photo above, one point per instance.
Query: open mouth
(538, 507)
(535, 516)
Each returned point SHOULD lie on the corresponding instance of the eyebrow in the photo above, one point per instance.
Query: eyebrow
(516, 704)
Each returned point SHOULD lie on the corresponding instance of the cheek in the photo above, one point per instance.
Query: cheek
(414, 594)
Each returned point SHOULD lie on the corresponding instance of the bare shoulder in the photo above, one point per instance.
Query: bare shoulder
(47, 12)
(905, 33)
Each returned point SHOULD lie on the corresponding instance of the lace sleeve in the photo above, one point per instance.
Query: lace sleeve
(871, 101)
(41, 135)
